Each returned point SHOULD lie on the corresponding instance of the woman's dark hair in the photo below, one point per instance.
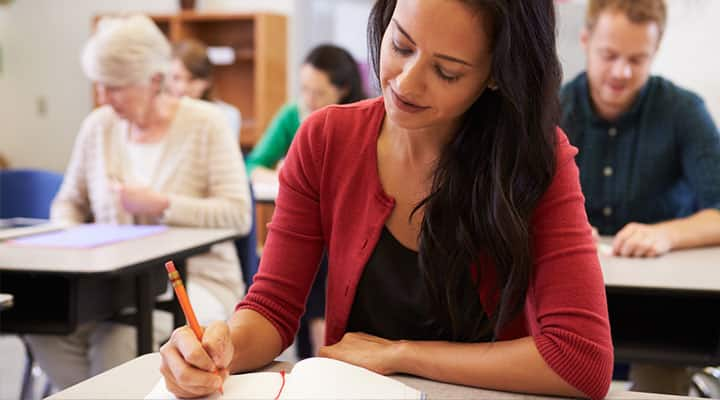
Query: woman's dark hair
(491, 176)
(193, 55)
(342, 69)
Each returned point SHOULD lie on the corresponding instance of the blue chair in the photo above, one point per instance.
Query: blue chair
(27, 192)
(246, 247)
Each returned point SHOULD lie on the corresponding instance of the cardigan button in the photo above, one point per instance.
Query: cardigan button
(364, 244)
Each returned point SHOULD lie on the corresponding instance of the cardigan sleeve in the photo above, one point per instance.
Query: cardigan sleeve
(295, 240)
(566, 303)
(227, 204)
(72, 204)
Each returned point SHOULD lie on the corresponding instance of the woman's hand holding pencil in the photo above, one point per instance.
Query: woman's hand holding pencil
(199, 359)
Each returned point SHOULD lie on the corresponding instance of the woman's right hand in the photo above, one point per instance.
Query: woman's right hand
(192, 368)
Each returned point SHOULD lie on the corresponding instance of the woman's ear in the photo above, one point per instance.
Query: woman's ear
(492, 85)
(584, 38)
(343, 92)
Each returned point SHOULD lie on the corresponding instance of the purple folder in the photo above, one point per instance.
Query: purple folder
(89, 235)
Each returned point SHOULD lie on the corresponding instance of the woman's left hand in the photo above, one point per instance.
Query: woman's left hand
(141, 200)
(367, 351)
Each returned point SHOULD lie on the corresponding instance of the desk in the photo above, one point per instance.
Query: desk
(144, 373)
(55, 290)
(6, 301)
(265, 191)
(665, 309)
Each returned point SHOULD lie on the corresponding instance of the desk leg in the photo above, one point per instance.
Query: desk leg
(145, 302)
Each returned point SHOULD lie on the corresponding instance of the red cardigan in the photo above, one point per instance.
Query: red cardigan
(331, 195)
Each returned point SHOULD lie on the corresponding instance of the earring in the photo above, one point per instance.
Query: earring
(492, 86)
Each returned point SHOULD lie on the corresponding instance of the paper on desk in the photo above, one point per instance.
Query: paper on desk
(256, 385)
(314, 378)
(89, 235)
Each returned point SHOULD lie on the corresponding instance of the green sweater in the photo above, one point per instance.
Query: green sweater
(277, 138)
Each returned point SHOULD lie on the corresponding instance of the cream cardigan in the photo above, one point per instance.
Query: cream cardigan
(200, 170)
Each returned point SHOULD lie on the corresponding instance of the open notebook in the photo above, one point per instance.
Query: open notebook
(312, 378)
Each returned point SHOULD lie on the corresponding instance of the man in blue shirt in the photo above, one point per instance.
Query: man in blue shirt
(649, 155)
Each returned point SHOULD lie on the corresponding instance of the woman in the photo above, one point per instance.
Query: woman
(329, 75)
(192, 75)
(146, 157)
(458, 246)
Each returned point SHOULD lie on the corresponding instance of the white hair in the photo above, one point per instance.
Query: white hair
(125, 51)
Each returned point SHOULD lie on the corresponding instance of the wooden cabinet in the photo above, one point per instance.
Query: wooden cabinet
(256, 83)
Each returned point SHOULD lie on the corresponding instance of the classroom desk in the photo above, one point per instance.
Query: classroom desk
(665, 309)
(144, 373)
(55, 290)
(6, 301)
(266, 192)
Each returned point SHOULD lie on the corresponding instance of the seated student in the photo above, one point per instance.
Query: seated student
(329, 75)
(457, 241)
(191, 75)
(146, 157)
(649, 152)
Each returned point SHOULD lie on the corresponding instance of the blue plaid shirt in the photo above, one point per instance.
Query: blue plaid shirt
(658, 161)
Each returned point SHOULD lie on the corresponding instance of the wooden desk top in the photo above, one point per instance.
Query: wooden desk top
(111, 257)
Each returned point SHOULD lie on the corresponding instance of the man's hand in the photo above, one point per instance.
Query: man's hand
(642, 240)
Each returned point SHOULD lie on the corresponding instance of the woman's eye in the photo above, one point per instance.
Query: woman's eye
(445, 76)
(400, 50)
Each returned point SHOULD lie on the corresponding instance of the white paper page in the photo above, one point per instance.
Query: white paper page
(256, 386)
(322, 378)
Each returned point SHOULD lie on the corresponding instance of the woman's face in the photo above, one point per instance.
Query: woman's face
(182, 83)
(431, 72)
(316, 90)
(130, 102)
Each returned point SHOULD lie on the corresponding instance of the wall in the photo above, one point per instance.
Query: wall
(40, 41)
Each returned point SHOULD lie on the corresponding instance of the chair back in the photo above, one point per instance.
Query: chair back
(246, 247)
(27, 192)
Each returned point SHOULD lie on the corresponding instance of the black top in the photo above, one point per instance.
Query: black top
(391, 300)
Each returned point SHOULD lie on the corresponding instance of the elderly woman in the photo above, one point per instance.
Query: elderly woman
(146, 157)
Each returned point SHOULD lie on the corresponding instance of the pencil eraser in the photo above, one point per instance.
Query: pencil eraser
(170, 266)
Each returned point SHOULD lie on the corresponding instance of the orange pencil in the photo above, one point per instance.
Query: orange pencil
(185, 303)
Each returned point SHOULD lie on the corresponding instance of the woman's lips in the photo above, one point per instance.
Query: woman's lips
(405, 105)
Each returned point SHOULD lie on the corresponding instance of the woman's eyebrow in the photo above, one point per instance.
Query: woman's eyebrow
(443, 56)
